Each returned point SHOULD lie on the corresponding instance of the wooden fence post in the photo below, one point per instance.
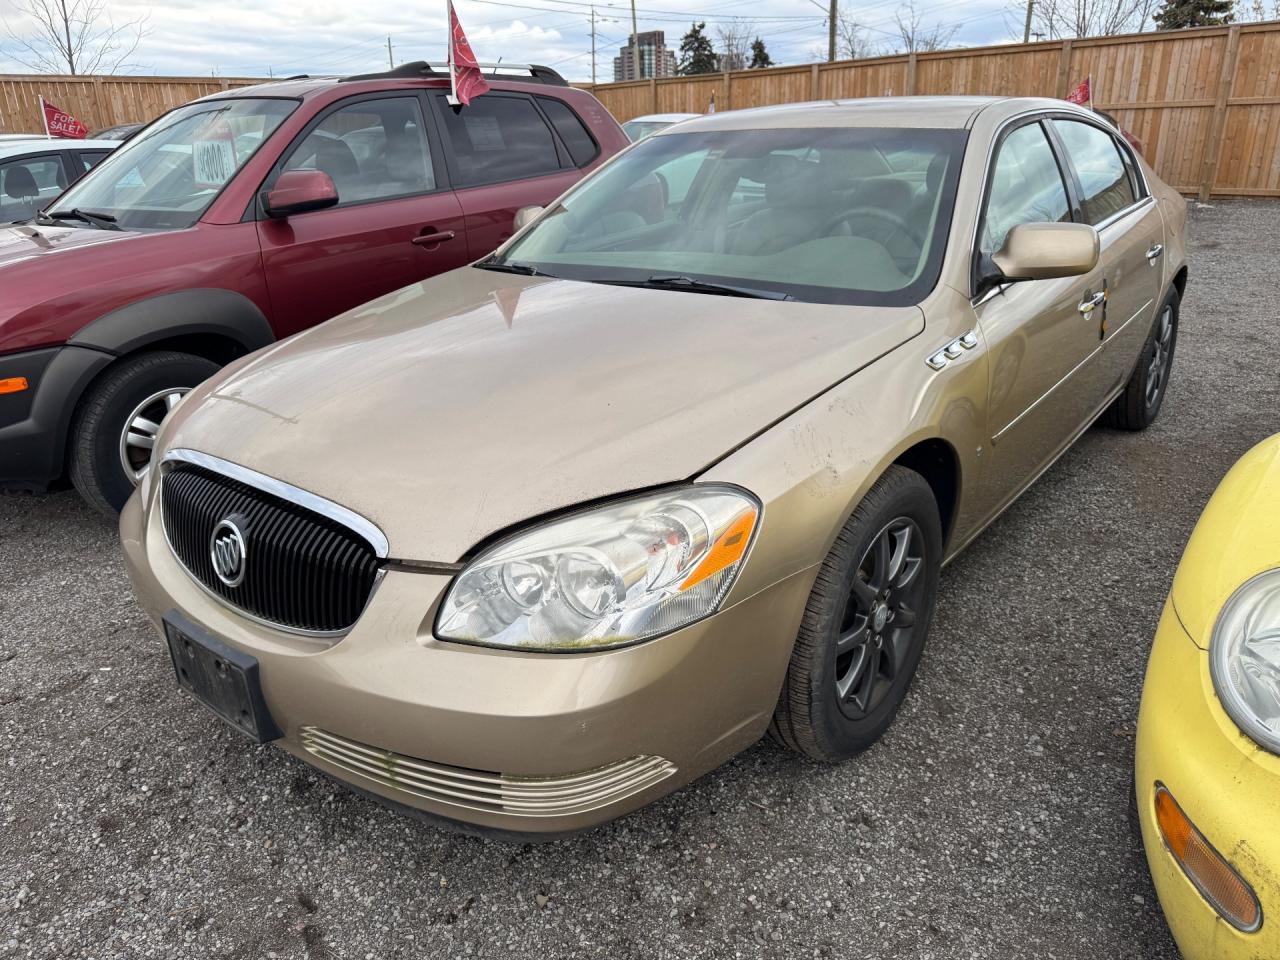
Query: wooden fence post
(1213, 143)
(653, 94)
(102, 116)
(911, 74)
(1064, 70)
(726, 85)
(814, 86)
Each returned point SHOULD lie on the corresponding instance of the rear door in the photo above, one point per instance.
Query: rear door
(504, 153)
(396, 221)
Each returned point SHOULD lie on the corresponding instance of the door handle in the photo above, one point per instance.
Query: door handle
(1155, 252)
(432, 238)
(1088, 303)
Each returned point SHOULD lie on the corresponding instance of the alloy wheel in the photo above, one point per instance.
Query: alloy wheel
(1161, 355)
(138, 438)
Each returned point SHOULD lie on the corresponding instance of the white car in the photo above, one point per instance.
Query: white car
(642, 127)
(35, 170)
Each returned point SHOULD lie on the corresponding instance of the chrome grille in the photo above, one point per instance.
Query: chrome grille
(477, 790)
(302, 571)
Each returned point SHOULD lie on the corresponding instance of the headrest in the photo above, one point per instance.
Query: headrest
(19, 184)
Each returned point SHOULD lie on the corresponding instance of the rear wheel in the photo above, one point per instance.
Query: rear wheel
(1139, 403)
(115, 426)
(864, 627)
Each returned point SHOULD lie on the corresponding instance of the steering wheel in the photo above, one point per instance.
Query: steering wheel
(896, 224)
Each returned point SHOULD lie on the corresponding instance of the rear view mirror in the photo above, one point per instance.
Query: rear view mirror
(297, 191)
(1042, 251)
(526, 216)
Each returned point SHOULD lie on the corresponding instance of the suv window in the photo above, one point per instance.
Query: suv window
(27, 185)
(371, 149)
(1104, 178)
(1026, 187)
(499, 138)
(582, 149)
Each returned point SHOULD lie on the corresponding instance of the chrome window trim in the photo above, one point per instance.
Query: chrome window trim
(285, 491)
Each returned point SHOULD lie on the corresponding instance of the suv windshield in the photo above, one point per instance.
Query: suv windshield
(165, 178)
(832, 215)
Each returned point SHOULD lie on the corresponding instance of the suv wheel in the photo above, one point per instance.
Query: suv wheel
(864, 627)
(115, 426)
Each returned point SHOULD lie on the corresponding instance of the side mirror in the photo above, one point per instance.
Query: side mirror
(1042, 251)
(297, 191)
(526, 216)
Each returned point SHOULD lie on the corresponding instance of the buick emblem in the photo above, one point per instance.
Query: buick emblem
(226, 549)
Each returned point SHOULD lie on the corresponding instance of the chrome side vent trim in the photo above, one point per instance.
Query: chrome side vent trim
(953, 350)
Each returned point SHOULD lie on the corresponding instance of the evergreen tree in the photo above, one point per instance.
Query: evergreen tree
(696, 53)
(1180, 14)
(759, 55)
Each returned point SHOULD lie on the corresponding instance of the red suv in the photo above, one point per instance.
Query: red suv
(248, 216)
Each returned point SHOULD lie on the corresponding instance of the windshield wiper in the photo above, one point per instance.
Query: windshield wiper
(510, 266)
(103, 221)
(661, 282)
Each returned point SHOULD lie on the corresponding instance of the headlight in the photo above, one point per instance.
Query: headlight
(1244, 658)
(607, 577)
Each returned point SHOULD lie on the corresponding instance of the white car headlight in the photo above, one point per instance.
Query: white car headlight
(607, 577)
(1244, 658)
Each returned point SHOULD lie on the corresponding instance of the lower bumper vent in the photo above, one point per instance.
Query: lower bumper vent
(495, 792)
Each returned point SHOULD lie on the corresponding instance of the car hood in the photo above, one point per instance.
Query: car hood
(456, 407)
(22, 242)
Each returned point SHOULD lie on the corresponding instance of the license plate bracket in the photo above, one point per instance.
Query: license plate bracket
(221, 677)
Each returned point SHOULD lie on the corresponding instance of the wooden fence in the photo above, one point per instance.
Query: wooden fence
(1204, 102)
(101, 101)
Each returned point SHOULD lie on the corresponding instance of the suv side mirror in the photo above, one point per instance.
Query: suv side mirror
(1042, 251)
(297, 191)
(525, 216)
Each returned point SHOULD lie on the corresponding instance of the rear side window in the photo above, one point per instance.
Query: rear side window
(1026, 187)
(27, 185)
(582, 149)
(498, 138)
(1104, 179)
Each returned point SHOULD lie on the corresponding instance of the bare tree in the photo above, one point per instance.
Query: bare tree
(72, 36)
(914, 38)
(735, 43)
(853, 41)
(1055, 19)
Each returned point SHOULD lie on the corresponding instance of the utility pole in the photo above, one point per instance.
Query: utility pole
(593, 46)
(637, 66)
(390, 63)
(831, 31)
(1026, 31)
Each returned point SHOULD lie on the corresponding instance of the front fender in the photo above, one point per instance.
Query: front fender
(206, 311)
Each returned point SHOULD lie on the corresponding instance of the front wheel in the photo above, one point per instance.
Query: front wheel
(865, 624)
(115, 426)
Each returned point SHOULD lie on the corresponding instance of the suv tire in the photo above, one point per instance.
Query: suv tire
(882, 570)
(133, 388)
(1139, 403)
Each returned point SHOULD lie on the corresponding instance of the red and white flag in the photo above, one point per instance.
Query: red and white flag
(1083, 94)
(58, 123)
(464, 70)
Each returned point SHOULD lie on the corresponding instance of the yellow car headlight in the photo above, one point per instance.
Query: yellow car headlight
(1244, 658)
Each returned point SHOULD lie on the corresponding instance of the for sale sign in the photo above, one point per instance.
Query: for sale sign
(59, 123)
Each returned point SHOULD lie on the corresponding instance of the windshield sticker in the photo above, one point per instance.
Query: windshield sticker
(214, 154)
(131, 179)
(484, 132)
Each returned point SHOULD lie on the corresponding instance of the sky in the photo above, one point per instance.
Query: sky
(257, 38)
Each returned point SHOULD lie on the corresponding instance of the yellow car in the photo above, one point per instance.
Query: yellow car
(1208, 753)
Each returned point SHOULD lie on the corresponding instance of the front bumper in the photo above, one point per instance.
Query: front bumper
(34, 422)
(396, 713)
(1227, 786)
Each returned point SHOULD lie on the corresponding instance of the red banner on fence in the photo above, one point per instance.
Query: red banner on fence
(59, 123)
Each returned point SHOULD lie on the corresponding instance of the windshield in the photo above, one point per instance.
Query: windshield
(166, 177)
(639, 129)
(848, 215)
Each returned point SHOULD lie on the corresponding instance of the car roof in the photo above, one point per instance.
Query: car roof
(14, 148)
(664, 117)
(903, 112)
(299, 88)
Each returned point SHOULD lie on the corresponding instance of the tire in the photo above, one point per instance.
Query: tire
(1139, 403)
(138, 386)
(828, 710)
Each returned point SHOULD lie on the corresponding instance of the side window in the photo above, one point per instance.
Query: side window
(582, 149)
(372, 150)
(1104, 179)
(27, 185)
(1026, 187)
(90, 159)
(499, 138)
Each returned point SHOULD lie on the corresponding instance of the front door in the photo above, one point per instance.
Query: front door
(395, 223)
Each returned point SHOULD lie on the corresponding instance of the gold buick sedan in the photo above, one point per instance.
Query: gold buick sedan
(528, 545)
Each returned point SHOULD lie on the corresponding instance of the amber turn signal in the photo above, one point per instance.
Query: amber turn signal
(726, 551)
(1216, 879)
(13, 384)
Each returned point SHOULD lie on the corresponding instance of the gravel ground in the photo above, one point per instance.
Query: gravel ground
(990, 822)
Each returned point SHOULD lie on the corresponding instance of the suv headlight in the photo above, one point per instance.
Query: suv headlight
(1244, 658)
(607, 577)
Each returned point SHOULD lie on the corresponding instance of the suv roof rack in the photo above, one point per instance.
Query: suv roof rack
(524, 72)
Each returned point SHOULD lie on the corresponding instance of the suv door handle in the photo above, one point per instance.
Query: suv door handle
(431, 238)
(1088, 303)
(1155, 251)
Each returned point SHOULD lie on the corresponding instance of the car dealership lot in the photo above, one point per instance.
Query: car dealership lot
(989, 822)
